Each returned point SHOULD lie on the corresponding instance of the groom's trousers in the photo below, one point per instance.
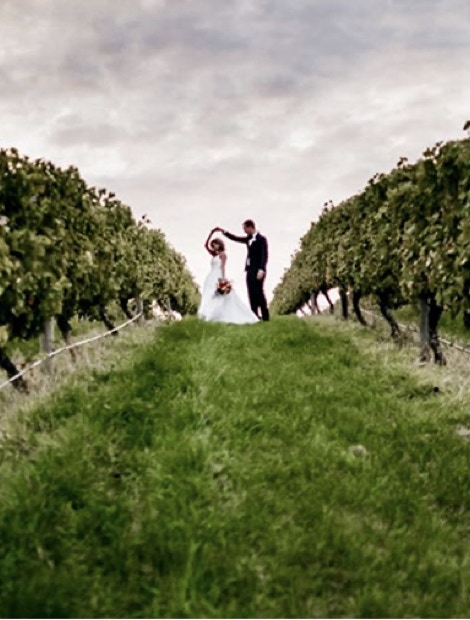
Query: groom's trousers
(256, 295)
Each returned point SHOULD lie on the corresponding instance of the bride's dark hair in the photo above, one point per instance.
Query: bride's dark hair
(220, 243)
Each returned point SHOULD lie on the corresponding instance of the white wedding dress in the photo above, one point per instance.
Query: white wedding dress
(222, 308)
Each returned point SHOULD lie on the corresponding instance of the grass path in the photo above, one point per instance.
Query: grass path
(277, 470)
(107, 352)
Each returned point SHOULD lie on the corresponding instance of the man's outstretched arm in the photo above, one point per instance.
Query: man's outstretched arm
(234, 237)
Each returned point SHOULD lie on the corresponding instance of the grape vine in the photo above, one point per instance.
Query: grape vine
(407, 233)
(67, 249)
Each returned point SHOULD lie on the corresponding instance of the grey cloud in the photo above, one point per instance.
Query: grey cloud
(209, 111)
(72, 129)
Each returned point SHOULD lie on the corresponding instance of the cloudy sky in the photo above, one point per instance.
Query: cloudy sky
(206, 112)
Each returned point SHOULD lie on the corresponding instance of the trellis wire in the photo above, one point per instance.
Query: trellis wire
(411, 328)
(67, 348)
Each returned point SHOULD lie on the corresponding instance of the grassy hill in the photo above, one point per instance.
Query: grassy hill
(291, 469)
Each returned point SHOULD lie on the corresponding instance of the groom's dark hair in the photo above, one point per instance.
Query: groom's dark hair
(249, 223)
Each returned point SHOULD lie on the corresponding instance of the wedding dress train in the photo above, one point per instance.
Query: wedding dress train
(228, 308)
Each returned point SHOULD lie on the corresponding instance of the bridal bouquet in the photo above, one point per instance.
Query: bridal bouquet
(223, 287)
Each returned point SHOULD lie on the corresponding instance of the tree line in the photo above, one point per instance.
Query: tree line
(68, 249)
(404, 239)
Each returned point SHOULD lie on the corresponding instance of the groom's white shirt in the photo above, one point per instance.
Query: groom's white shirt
(250, 241)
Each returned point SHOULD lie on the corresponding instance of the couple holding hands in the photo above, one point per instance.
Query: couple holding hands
(219, 301)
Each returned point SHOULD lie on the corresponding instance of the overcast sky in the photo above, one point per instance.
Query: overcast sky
(207, 112)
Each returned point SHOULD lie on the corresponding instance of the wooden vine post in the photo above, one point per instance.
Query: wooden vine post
(47, 342)
(140, 309)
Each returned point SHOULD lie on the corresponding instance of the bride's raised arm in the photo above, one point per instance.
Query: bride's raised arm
(206, 245)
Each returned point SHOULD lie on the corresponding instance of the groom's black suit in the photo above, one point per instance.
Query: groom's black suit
(256, 259)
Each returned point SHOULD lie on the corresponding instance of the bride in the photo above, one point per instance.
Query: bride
(220, 306)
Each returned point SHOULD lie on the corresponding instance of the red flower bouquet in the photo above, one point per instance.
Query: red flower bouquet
(223, 287)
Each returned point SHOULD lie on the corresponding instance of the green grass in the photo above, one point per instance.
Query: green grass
(213, 474)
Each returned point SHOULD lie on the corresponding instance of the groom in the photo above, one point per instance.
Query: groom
(255, 266)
